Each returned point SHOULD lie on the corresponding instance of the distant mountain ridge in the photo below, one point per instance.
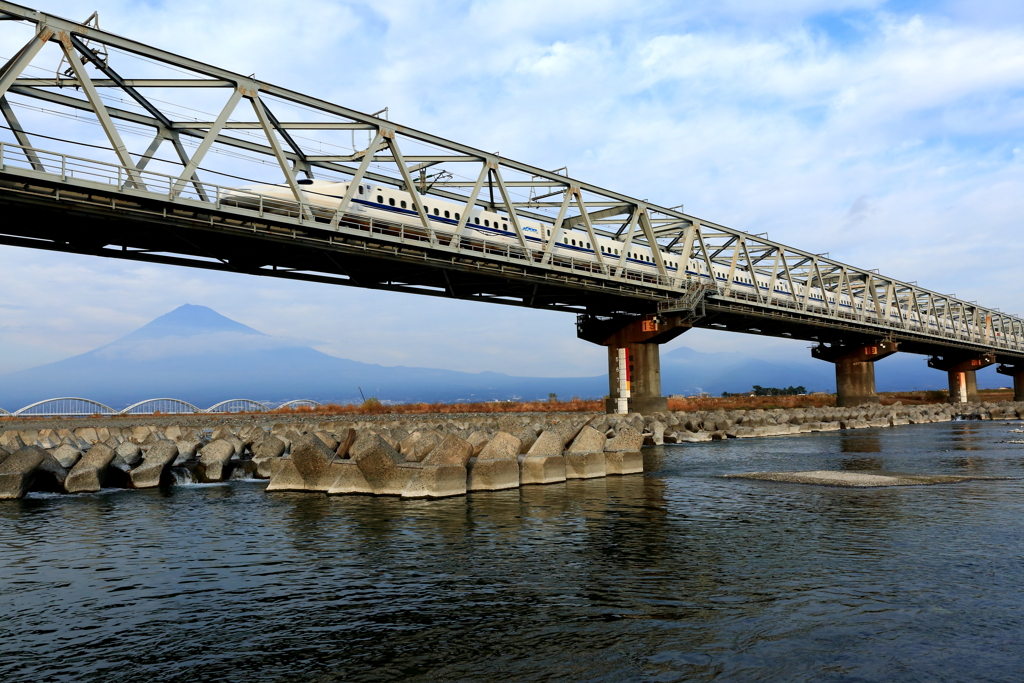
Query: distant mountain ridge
(198, 355)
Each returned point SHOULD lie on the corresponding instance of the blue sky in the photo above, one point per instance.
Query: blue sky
(889, 134)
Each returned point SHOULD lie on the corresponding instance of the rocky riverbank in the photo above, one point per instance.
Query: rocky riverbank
(412, 457)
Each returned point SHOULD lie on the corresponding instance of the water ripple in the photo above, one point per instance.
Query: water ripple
(674, 575)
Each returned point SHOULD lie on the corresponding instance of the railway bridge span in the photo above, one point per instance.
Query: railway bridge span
(146, 195)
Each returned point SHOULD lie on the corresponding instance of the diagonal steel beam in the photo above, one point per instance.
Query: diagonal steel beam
(19, 134)
(584, 212)
(556, 229)
(357, 179)
(100, 110)
(509, 208)
(151, 151)
(24, 57)
(287, 138)
(113, 75)
(210, 137)
(282, 160)
(652, 243)
(389, 137)
(183, 156)
(471, 201)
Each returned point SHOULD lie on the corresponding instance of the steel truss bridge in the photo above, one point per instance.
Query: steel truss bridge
(144, 194)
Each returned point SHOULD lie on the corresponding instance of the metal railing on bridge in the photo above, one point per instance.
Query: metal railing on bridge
(85, 173)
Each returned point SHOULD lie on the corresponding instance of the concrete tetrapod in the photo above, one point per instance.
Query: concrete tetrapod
(268, 449)
(18, 471)
(442, 472)
(622, 453)
(154, 466)
(478, 440)
(585, 459)
(11, 441)
(311, 466)
(419, 444)
(66, 454)
(49, 475)
(187, 448)
(374, 467)
(87, 474)
(544, 463)
(129, 453)
(214, 459)
(497, 466)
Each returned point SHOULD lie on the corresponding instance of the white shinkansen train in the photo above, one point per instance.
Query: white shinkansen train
(392, 204)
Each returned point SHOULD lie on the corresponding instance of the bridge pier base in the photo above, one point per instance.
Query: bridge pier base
(634, 359)
(855, 369)
(1017, 372)
(963, 382)
(643, 367)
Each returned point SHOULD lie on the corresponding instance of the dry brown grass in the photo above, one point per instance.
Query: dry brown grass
(371, 407)
(691, 404)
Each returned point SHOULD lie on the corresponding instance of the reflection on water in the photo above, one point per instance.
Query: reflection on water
(967, 436)
(860, 464)
(673, 575)
(860, 443)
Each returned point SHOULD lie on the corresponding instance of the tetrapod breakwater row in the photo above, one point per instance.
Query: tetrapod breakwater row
(411, 457)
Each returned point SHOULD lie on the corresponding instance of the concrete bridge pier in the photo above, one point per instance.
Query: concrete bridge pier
(855, 369)
(1017, 372)
(634, 359)
(963, 382)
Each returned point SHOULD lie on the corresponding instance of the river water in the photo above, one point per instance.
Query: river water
(668, 576)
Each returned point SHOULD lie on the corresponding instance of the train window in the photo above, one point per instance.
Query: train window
(380, 199)
(588, 245)
(360, 189)
(549, 233)
(391, 201)
(447, 215)
(437, 212)
(504, 227)
(403, 203)
(616, 252)
(477, 219)
(457, 216)
(487, 223)
(574, 243)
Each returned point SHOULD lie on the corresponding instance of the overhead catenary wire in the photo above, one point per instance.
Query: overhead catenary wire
(521, 195)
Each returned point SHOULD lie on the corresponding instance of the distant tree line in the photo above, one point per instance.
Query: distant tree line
(758, 390)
